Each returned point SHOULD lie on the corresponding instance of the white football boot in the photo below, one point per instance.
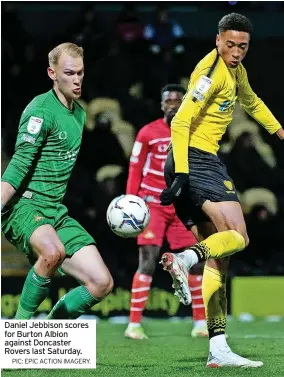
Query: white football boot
(179, 273)
(224, 357)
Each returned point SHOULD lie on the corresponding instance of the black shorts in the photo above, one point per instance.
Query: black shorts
(208, 180)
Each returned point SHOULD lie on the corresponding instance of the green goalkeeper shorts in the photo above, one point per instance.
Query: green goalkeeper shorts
(19, 223)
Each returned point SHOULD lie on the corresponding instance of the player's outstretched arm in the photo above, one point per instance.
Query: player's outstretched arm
(32, 133)
(255, 107)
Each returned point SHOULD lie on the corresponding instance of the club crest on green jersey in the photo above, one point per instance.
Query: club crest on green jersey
(34, 125)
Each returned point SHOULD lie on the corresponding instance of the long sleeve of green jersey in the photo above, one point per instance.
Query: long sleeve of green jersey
(35, 125)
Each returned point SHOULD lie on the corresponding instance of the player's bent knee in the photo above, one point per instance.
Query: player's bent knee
(246, 240)
(101, 288)
(61, 253)
(53, 256)
(110, 285)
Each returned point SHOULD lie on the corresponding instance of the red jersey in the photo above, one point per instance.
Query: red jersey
(149, 153)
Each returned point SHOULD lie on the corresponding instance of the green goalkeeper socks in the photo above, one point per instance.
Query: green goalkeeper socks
(36, 289)
(73, 304)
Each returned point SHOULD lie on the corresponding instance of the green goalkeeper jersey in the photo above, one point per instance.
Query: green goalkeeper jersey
(47, 146)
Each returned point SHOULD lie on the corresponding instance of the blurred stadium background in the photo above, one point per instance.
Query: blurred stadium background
(131, 51)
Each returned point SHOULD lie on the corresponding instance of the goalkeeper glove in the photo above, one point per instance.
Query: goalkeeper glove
(169, 195)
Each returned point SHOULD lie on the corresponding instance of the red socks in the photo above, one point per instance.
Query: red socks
(140, 290)
(139, 294)
(195, 286)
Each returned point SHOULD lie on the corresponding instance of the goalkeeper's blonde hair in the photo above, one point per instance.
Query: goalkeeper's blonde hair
(70, 49)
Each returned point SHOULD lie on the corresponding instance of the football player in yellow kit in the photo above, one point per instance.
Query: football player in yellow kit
(198, 183)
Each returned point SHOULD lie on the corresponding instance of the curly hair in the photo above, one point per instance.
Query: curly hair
(235, 21)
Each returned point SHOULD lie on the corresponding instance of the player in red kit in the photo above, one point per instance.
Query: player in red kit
(146, 179)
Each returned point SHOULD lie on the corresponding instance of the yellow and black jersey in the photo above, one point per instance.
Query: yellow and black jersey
(208, 106)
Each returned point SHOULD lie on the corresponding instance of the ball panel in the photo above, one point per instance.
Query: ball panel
(128, 216)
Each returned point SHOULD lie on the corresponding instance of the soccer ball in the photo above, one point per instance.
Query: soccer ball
(128, 216)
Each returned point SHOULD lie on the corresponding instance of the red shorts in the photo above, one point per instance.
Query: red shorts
(165, 223)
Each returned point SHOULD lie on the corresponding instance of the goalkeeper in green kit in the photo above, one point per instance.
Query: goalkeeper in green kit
(32, 189)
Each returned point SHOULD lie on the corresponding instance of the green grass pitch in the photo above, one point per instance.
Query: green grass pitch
(171, 352)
